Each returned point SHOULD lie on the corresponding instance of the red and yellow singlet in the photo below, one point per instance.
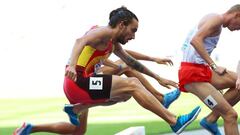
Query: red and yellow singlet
(90, 58)
(88, 62)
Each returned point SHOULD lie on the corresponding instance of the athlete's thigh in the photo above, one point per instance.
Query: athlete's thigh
(228, 80)
(122, 85)
(209, 95)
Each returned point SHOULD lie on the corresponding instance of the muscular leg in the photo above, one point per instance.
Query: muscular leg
(223, 108)
(232, 95)
(80, 130)
(145, 82)
(139, 76)
(165, 99)
(133, 87)
(64, 127)
(59, 128)
(67, 128)
(122, 89)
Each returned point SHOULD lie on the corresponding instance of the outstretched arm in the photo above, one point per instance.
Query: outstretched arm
(130, 61)
(140, 56)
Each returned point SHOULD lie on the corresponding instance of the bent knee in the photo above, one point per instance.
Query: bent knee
(227, 81)
(231, 115)
(134, 82)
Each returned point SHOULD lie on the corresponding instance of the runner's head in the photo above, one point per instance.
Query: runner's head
(233, 18)
(126, 22)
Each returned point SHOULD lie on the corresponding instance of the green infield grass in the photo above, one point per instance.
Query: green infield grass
(102, 120)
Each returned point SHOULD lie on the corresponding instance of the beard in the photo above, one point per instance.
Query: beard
(121, 40)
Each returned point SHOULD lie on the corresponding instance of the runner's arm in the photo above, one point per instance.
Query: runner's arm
(207, 29)
(130, 61)
(140, 56)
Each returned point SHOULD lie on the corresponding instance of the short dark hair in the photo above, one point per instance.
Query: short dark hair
(121, 14)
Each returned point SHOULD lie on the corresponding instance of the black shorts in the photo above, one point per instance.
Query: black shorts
(97, 86)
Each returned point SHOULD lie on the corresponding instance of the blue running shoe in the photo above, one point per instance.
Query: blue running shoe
(25, 129)
(170, 97)
(211, 127)
(184, 120)
(73, 117)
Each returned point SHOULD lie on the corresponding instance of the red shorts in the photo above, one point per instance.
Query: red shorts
(191, 72)
(88, 90)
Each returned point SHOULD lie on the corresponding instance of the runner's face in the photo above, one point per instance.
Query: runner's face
(234, 23)
(128, 32)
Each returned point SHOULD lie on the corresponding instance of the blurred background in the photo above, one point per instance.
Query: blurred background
(37, 38)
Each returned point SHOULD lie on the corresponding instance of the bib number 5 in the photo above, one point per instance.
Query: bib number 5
(95, 83)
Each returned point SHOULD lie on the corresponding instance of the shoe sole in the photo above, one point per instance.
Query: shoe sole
(186, 124)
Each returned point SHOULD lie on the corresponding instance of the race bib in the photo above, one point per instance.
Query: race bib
(95, 83)
(210, 101)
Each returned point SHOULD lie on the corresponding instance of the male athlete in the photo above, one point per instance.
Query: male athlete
(201, 76)
(84, 88)
(117, 68)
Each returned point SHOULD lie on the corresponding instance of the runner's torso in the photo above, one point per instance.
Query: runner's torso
(191, 55)
(91, 59)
